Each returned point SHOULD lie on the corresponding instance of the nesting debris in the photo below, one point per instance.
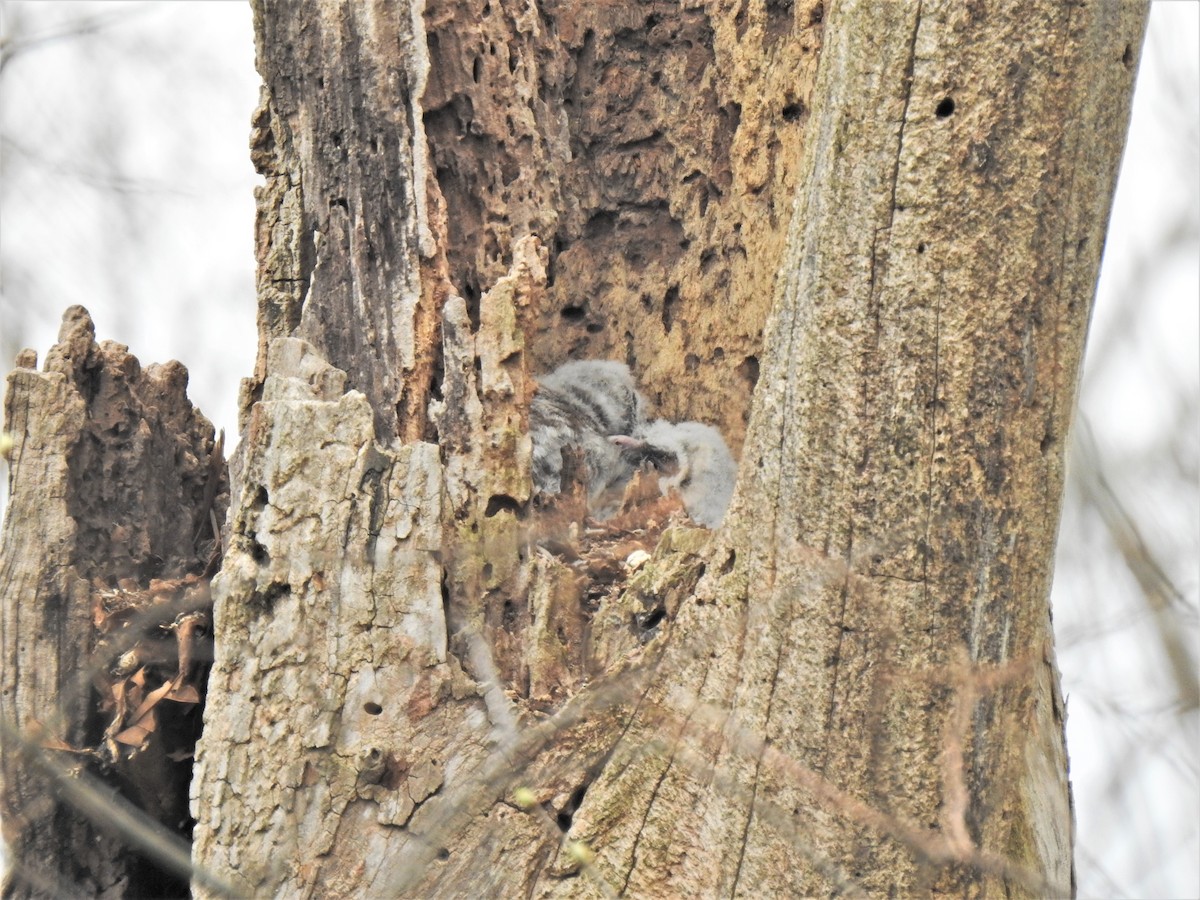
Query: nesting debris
(605, 553)
(149, 669)
(154, 645)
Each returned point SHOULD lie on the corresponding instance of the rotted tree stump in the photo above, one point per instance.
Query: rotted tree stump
(117, 488)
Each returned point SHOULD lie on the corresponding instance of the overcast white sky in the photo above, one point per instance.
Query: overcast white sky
(126, 186)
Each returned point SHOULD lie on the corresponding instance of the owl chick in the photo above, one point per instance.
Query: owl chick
(693, 459)
(582, 404)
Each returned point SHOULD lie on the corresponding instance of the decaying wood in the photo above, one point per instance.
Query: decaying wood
(376, 266)
(428, 682)
(423, 686)
(114, 482)
(917, 389)
(649, 146)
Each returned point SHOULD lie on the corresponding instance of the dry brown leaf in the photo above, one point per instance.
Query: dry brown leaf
(99, 615)
(184, 694)
(40, 734)
(137, 735)
(119, 697)
(152, 700)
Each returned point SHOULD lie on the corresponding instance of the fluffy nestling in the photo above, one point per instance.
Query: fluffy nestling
(583, 404)
(692, 459)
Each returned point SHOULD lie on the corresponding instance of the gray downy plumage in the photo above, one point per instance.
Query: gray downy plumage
(582, 404)
(693, 459)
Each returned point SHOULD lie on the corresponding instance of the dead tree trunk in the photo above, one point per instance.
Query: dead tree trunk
(115, 485)
(848, 688)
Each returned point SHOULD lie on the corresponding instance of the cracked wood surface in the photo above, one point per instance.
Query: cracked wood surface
(114, 481)
(459, 199)
(908, 440)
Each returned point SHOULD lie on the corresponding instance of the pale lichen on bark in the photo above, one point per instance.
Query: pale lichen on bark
(334, 648)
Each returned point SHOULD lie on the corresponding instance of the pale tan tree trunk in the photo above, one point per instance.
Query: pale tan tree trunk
(881, 222)
(860, 692)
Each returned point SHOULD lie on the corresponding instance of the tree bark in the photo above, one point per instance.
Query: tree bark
(114, 483)
(447, 209)
(429, 682)
(860, 693)
(886, 696)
